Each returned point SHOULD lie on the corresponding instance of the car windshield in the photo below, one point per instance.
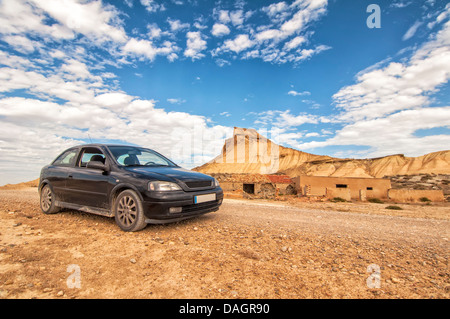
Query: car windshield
(136, 156)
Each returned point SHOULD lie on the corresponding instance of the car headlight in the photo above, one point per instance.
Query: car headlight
(216, 183)
(161, 186)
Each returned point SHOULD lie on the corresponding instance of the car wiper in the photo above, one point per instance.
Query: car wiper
(155, 165)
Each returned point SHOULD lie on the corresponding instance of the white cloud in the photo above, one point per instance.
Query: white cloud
(17, 17)
(113, 99)
(394, 134)
(224, 16)
(398, 86)
(176, 101)
(221, 62)
(76, 68)
(57, 54)
(312, 134)
(278, 41)
(194, 45)
(275, 8)
(92, 19)
(93, 109)
(268, 35)
(145, 48)
(295, 93)
(153, 31)
(307, 11)
(240, 43)
(45, 86)
(21, 43)
(294, 43)
(390, 102)
(152, 6)
(220, 29)
(284, 119)
(411, 31)
(177, 25)
(237, 17)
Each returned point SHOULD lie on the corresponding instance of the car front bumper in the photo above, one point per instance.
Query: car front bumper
(157, 205)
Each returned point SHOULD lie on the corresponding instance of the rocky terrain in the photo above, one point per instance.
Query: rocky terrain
(248, 249)
(251, 153)
(422, 181)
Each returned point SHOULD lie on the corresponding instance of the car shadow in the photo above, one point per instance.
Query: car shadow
(93, 218)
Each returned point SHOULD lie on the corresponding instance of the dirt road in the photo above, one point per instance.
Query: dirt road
(248, 249)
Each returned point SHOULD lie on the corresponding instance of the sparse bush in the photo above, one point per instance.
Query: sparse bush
(424, 199)
(338, 199)
(394, 207)
(375, 200)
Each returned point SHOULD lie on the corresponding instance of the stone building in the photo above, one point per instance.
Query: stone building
(345, 187)
(260, 185)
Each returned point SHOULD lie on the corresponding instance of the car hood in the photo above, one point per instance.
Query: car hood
(169, 173)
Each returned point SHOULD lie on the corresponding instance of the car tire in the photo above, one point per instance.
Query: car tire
(128, 211)
(47, 201)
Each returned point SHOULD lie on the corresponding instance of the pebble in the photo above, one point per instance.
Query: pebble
(60, 293)
(132, 260)
(395, 280)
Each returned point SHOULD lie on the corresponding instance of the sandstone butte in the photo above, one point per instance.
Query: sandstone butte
(251, 153)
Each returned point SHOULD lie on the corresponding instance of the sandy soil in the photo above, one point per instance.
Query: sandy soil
(248, 249)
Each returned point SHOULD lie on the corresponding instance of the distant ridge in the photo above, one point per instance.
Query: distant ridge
(249, 152)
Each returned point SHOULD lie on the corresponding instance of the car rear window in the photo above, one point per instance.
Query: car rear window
(67, 158)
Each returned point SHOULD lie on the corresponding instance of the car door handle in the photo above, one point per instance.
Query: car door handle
(70, 176)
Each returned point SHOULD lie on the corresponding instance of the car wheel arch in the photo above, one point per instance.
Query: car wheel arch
(119, 189)
(43, 183)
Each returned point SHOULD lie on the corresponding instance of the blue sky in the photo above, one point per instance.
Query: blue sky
(178, 75)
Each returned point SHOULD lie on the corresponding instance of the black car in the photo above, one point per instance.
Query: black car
(135, 185)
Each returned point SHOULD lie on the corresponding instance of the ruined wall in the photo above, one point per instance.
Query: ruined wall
(343, 193)
(414, 195)
(260, 184)
(317, 186)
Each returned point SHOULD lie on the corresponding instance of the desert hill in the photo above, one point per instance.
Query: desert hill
(33, 183)
(249, 152)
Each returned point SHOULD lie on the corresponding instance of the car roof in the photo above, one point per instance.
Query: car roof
(107, 145)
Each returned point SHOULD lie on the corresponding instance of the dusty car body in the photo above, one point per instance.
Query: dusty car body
(134, 185)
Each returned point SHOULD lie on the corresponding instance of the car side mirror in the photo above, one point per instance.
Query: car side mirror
(97, 165)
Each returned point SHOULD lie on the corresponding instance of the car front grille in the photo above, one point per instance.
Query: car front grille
(202, 206)
(199, 184)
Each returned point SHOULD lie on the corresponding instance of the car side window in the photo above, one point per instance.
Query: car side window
(91, 154)
(67, 158)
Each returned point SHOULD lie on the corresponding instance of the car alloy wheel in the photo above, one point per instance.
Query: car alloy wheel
(128, 211)
(47, 201)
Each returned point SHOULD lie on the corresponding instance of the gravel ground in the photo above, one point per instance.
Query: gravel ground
(248, 249)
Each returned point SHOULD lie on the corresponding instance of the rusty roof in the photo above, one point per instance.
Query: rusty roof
(280, 179)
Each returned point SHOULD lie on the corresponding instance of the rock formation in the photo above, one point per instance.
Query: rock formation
(249, 152)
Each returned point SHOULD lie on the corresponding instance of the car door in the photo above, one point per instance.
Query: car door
(59, 171)
(87, 186)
